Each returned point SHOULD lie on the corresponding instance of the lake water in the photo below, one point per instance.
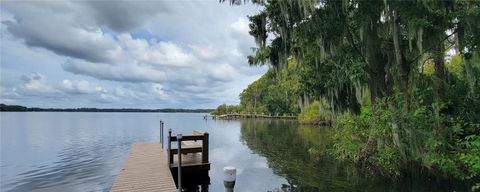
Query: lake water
(56, 151)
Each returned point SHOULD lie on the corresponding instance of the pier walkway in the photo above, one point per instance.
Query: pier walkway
(250, 116)
(149, 168)
(145, 169)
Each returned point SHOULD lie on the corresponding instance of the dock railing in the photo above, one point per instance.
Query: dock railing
(189, 145)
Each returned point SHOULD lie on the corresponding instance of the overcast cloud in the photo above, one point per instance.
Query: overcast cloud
(140, 54)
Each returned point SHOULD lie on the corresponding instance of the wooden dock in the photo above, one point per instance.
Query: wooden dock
(194, 152)
(254, 116)
(145, 169)
(149, 168)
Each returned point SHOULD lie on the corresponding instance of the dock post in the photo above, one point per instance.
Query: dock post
(169, 153)
(161, 132)
(179, 141)
(205, 148)
(163, 126)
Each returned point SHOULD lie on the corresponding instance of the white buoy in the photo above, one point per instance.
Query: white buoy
(229, 177)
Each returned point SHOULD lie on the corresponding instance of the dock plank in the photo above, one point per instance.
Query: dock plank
(145, 169)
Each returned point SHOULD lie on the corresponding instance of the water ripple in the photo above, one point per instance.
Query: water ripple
(78, 166)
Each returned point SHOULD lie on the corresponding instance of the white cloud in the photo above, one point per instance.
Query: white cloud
(150, 52)
(81, 87)
(205, 52)
(119, 91)
(158, 89)
(35, 84)
(129, 72)
(241, 26)
(156, 54)
(54, 26)
(106, 98)
(224, 72)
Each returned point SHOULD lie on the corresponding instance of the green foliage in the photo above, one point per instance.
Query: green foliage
(349, 137)
(456, 65)
(274, 93)
(314, 113)
(367, 138)
(434, 142)
(428, 68)
(226, 109)
(4, 107)
(470, 157)
(380, 69)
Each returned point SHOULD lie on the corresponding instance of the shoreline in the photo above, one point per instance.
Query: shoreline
(249, 116)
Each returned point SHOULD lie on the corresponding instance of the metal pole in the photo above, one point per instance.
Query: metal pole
(161, 139)
(161, 133)
(179, 140)
(169, 147)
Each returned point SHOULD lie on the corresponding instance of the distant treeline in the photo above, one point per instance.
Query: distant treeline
(4, 107)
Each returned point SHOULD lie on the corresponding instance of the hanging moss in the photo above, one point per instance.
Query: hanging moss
(345, 51)
(420, 39)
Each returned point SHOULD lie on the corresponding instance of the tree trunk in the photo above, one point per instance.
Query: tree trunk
(403, 67)
(466, 56)
(440, 71)
(376, 63)
(255, 100)
(403, 70)
(459, 37)
(469, 72)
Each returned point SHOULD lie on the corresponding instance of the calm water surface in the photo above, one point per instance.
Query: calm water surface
(43, 151)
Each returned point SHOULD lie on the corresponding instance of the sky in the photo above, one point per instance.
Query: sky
(125, 54)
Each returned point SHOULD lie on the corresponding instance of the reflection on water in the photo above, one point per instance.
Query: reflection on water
(298, 153)
(84, 152)
(63, 151)
(74, 168)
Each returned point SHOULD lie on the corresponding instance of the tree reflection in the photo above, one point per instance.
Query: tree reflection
(299, 154)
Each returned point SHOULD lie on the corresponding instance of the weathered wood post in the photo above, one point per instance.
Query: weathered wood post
(205, 148)
(179, 141)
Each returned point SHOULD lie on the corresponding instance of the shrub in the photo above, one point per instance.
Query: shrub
(312, 114)
(426, 138)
